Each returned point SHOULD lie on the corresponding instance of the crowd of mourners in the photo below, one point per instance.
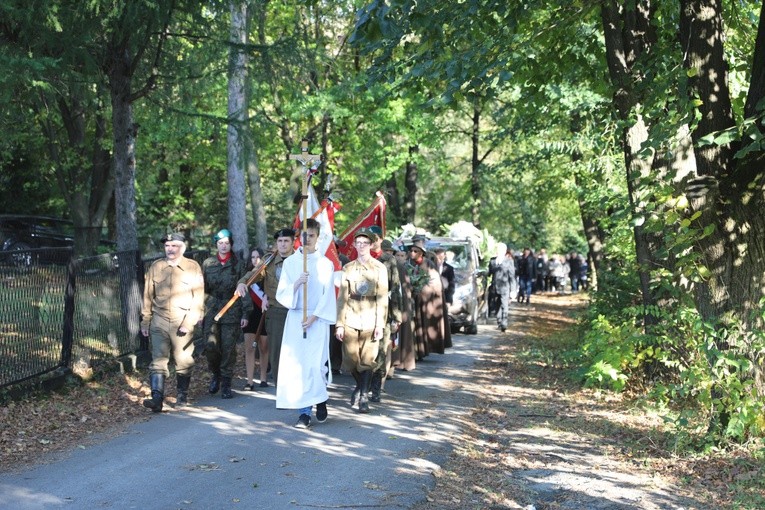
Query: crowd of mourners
(302, 321)
(518, 275)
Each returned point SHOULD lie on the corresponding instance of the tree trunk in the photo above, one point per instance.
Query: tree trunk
(638, 168)
(410, 185)
(728, 192)
(393, 199)
(475, 167)
(125, 131)
(256, 195)
(701, 35)
(237, 131)
(86, 182)
(627, 36)
(593, 233)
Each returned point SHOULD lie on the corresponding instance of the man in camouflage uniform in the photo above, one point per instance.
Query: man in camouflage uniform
(362, 314)
(173, 302)
(222, 271)
(395, 308)
(276, 313)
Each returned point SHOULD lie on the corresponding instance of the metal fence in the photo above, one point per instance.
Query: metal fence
(60, 312)
(56, 311)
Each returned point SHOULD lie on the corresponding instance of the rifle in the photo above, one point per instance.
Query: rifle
(255, 273)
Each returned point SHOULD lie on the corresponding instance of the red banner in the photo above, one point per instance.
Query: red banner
(374, 215)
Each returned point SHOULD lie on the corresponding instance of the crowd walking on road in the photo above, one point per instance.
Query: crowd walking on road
(305, 322)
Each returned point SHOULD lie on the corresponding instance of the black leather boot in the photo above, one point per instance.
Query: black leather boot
(225, 384)
(154, 403)
(375, 387)
(182, 398)
(214, 383)
(357, 390)
(363, 401)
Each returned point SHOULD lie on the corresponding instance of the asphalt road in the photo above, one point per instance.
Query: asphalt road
(244, 453)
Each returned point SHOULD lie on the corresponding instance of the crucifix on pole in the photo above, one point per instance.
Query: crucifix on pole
(307, 161)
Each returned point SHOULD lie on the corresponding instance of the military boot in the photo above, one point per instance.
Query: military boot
(225, 385)
(154, 403)
(375, 386)
(363, 400)
(214, 383)
(357, 390)
(182, 397)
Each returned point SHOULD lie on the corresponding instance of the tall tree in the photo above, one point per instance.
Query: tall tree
(729, 191)
(239, 139)
(629, 36)
(49, 82)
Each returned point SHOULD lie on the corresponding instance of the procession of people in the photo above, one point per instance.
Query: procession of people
(315, 306)
(387, 307)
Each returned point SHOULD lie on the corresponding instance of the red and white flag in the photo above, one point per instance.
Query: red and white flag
(324, 213)
(374, 215)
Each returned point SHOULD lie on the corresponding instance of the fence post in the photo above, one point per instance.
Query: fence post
(143, 341)
(67, 336)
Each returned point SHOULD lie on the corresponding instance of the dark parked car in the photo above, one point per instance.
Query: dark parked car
(21, 235)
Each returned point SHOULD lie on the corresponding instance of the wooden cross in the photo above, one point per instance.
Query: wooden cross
(306, 160)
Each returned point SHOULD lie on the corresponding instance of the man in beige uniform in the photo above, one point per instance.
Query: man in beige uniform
(173, 302)
(362, 312)
(276, 313)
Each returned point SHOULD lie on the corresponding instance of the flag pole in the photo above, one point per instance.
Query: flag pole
(378, 198)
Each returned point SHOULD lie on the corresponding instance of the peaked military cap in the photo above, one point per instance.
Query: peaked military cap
(175, 236)
(285, 232)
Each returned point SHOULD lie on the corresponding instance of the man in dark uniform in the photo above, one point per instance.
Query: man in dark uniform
(362, 310)
(527, 275)
(447, 274)
(276, 313)
(173, 302)
(222, 271)
(503, 277)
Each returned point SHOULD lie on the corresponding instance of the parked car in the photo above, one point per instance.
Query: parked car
(21, 236)
(462, 255)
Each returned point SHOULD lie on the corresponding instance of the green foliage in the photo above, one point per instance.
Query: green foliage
(700, 374)
(610, 349)
(716, 382)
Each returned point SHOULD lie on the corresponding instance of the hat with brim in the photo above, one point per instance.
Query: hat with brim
(365, 232)
(418, 244)
(175, 236)
(386, 245)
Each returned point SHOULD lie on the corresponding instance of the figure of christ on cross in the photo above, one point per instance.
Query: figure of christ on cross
(307, 160)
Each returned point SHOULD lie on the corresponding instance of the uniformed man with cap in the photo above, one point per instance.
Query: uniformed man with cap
(395, 314)
(362, 313)
(222, 272)
(173, 302)
(376, 250)
(276, 313)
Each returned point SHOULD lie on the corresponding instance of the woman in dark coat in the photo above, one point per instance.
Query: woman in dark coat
(429, 308)
(404, 355)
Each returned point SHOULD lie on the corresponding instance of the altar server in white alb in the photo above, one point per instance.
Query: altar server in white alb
(304, 363)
